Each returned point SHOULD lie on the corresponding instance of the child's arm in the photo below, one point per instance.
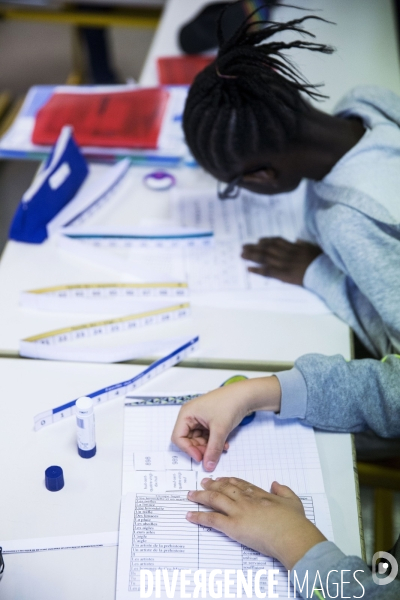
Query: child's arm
(323, 391)
(275, 525)
(333, 394)
(345, 275)
(325, 562)
(358, 275)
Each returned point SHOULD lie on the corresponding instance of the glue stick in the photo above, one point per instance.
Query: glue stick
(86, 435)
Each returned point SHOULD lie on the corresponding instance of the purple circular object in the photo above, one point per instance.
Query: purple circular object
(159, 181)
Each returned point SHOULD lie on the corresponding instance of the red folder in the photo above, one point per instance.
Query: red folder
(126, 119)
(181, 70)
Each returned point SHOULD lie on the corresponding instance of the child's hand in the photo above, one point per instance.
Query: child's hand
(280, 259)
(204, 424)
(274, 524)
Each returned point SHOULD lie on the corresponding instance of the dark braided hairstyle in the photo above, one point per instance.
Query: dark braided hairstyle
(249, 99)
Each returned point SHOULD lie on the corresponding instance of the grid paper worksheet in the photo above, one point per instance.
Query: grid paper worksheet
(154, 533)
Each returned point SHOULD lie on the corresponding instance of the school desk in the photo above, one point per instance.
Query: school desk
(229, 337)
(89, 502)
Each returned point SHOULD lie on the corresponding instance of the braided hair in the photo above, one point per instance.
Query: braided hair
(249, 99)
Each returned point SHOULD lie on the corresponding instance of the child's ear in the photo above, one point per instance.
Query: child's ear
(267, 176)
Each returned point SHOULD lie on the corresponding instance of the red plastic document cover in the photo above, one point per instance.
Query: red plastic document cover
(181, 70)
(127, 119)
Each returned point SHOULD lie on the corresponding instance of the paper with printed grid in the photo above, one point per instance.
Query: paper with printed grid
(154, 533)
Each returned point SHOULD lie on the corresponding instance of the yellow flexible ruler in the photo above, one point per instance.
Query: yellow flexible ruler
(138, 287)
(112, 325)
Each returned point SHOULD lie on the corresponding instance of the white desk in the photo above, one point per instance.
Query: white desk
(364, 36)
(254, 339)
(89, 502)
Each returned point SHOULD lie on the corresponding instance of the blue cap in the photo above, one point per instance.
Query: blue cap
(87, 453)
(54, 479)
(248, 419)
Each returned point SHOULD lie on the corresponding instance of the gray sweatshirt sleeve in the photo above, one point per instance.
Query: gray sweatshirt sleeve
(340, 576)
(358, 276)
(330, 393)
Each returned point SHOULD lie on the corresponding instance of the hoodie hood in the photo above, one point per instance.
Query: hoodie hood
(367, 178)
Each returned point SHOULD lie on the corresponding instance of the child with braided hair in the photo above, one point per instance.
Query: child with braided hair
(248, 122)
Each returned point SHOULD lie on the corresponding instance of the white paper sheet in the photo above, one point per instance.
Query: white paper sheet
(65, 542)
(153, 531)
(213, 268)
(116, 305)
(235, 222)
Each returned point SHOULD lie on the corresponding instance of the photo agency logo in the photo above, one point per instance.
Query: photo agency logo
(384, 568)
(229, 583)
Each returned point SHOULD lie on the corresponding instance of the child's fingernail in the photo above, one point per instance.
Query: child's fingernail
(203, 481)
(210, 466)
(218, 478)
(189, 515)
(190, 494)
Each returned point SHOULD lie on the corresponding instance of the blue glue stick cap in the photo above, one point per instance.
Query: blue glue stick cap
(54, 479)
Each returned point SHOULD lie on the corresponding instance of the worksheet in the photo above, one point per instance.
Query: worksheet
(211, 265)
(154, 533)
(215, 264)
(215, 271)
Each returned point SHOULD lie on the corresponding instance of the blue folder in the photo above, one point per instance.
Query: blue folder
(56, 184)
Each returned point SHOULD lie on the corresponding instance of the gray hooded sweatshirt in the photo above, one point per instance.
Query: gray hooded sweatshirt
(354, 216)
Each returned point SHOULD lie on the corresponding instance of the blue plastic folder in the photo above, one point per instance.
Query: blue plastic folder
(55, 185)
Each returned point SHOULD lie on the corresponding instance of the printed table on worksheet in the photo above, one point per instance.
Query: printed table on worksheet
(163, 539)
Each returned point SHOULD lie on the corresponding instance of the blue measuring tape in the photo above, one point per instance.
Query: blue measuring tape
(119, 389)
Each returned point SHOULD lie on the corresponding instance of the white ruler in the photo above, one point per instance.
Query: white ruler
(93, 195)
(140, 237)
(119, 389)
(50, 345)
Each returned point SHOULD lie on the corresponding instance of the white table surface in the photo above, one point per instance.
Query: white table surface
(229, 337)
(89, 502)
(364, 36)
